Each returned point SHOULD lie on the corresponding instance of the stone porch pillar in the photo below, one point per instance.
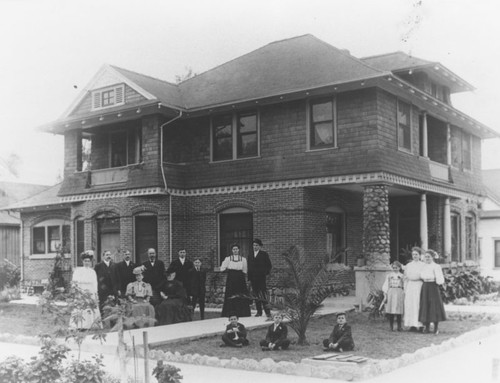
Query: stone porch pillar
(376, 241)
(447, 229)
(424, 243)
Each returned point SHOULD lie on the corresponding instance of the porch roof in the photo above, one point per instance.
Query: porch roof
(46, 199)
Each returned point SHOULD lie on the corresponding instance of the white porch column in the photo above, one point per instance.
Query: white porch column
(424, 136)
(423, 222)
(447, 228)
(448, 144)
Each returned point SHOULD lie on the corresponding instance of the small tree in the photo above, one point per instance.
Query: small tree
(307, 285)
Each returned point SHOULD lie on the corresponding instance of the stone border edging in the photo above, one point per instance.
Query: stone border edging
(370, 369)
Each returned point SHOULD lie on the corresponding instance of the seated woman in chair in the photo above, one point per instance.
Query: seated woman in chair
(139, 292)
(173, 308)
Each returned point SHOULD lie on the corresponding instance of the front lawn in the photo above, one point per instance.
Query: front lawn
(373, 339)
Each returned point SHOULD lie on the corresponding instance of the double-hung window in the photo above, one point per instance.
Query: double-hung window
(235, 136)
(404, 126)
(322, 123)
(51, 236)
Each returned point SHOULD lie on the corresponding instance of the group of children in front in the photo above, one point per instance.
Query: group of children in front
(415, 293)
(276, 337)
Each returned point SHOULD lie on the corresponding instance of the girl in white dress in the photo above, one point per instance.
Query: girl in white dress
(394, 295)
(86, 279)
(413, 288)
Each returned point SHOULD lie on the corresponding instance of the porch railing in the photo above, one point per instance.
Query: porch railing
(439, 171)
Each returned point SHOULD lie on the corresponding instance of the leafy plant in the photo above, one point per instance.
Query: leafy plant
(465, 284)
(166, 373)
(374, 304)
(307, 285)
(87, 371)
(12, 370)
(10, 274)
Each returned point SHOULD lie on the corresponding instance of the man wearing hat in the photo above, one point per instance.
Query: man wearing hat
(259, 266)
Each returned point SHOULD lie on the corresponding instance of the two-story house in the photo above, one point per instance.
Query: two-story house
(296, 143)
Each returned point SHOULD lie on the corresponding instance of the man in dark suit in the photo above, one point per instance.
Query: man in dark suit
(276, 337)
(259, 267)
(197, 280)
(154, 274)
(124, 274)
(105, 278)
(181, 267)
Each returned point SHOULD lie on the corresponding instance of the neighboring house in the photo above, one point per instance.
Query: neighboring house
(10, 222)
(489, 225)
(296, 143)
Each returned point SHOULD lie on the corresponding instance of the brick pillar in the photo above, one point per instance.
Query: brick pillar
(376, 234)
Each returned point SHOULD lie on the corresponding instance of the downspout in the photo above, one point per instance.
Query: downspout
(165, 183)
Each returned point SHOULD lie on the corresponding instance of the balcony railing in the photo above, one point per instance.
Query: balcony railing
(109, 176)
(439, 171)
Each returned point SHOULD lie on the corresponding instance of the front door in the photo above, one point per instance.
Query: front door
(146, 236)
(108, 235)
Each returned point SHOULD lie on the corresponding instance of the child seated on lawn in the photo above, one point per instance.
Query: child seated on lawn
(276, 337)
(341, 337)
(235, 334)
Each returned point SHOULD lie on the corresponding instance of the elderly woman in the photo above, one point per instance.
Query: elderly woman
(85, 278)
(173, 308)
(431, 305)
(413, 288)
(139, 293)
(236, 299)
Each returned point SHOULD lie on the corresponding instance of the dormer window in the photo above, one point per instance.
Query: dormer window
(108, 97)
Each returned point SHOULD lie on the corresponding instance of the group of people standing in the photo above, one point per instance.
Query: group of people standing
(412, 292)
(158, 295)
(169, 295)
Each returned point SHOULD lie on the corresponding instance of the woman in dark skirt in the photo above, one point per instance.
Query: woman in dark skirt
(236, 298)
(173, 308)
(431, 305)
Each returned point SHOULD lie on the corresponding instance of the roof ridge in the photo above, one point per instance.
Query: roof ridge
(142, 74)
(385, 54)
(40, 192)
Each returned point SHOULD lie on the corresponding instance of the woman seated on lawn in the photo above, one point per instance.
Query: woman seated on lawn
(276, 337)
(341, 337)
(173, 308)
(139, 293)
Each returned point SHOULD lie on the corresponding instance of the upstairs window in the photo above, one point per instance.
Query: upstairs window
(461, 149)
(108, 97)
(235, 136)
(322, 124)
(125, 147)
(466, 151)
(404, 126)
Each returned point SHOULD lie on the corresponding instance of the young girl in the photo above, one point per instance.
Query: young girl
(394, 295)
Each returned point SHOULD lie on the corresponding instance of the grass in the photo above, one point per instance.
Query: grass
(373, 339)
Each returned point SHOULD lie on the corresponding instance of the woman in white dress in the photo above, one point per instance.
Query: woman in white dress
(413, 288)
(87, 316)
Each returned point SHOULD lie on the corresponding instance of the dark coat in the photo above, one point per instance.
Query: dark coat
(342, 335)
(154, 275)
(258, 266)
(105, 279)
(124, 275)
(242, 331)
(281, 333)
(181, 271)
(197, 282)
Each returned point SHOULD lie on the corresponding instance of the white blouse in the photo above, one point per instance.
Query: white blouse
(86, 279)
(412, 270)
(231, 264)
(432, 272)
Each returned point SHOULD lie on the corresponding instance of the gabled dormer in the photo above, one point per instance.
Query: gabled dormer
(431, 77)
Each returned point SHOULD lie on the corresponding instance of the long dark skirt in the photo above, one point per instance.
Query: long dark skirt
(173, 310)
(236, 298)
(431, 305)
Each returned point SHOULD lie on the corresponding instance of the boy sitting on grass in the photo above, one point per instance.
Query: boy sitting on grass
(341, 337)
(276, 337)
(235, 334)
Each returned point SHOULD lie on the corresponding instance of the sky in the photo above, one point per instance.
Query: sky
(51, 49)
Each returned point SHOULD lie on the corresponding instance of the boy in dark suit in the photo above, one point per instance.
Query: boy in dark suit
(341, 337)
(181, 267)
(197, 280)
(124, 274)
(276, 337)
(259, 267)
(235, 334)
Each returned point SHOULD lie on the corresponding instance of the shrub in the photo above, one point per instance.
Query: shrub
(12, 370)
(465, 284)
(10, 275)
(374, 304)
(166, 373)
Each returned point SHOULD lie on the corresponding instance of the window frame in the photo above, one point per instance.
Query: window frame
(466, 154)
(310, 123)
(496, 264)
(235, 135)
(220, 216)
(46, 225)
(115, 93)
(458, 235)
(399, 124)
(131, 134)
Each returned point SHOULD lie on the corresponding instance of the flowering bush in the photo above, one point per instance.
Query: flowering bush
(166, 373)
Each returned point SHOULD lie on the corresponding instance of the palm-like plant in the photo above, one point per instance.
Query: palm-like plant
(307, 285)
